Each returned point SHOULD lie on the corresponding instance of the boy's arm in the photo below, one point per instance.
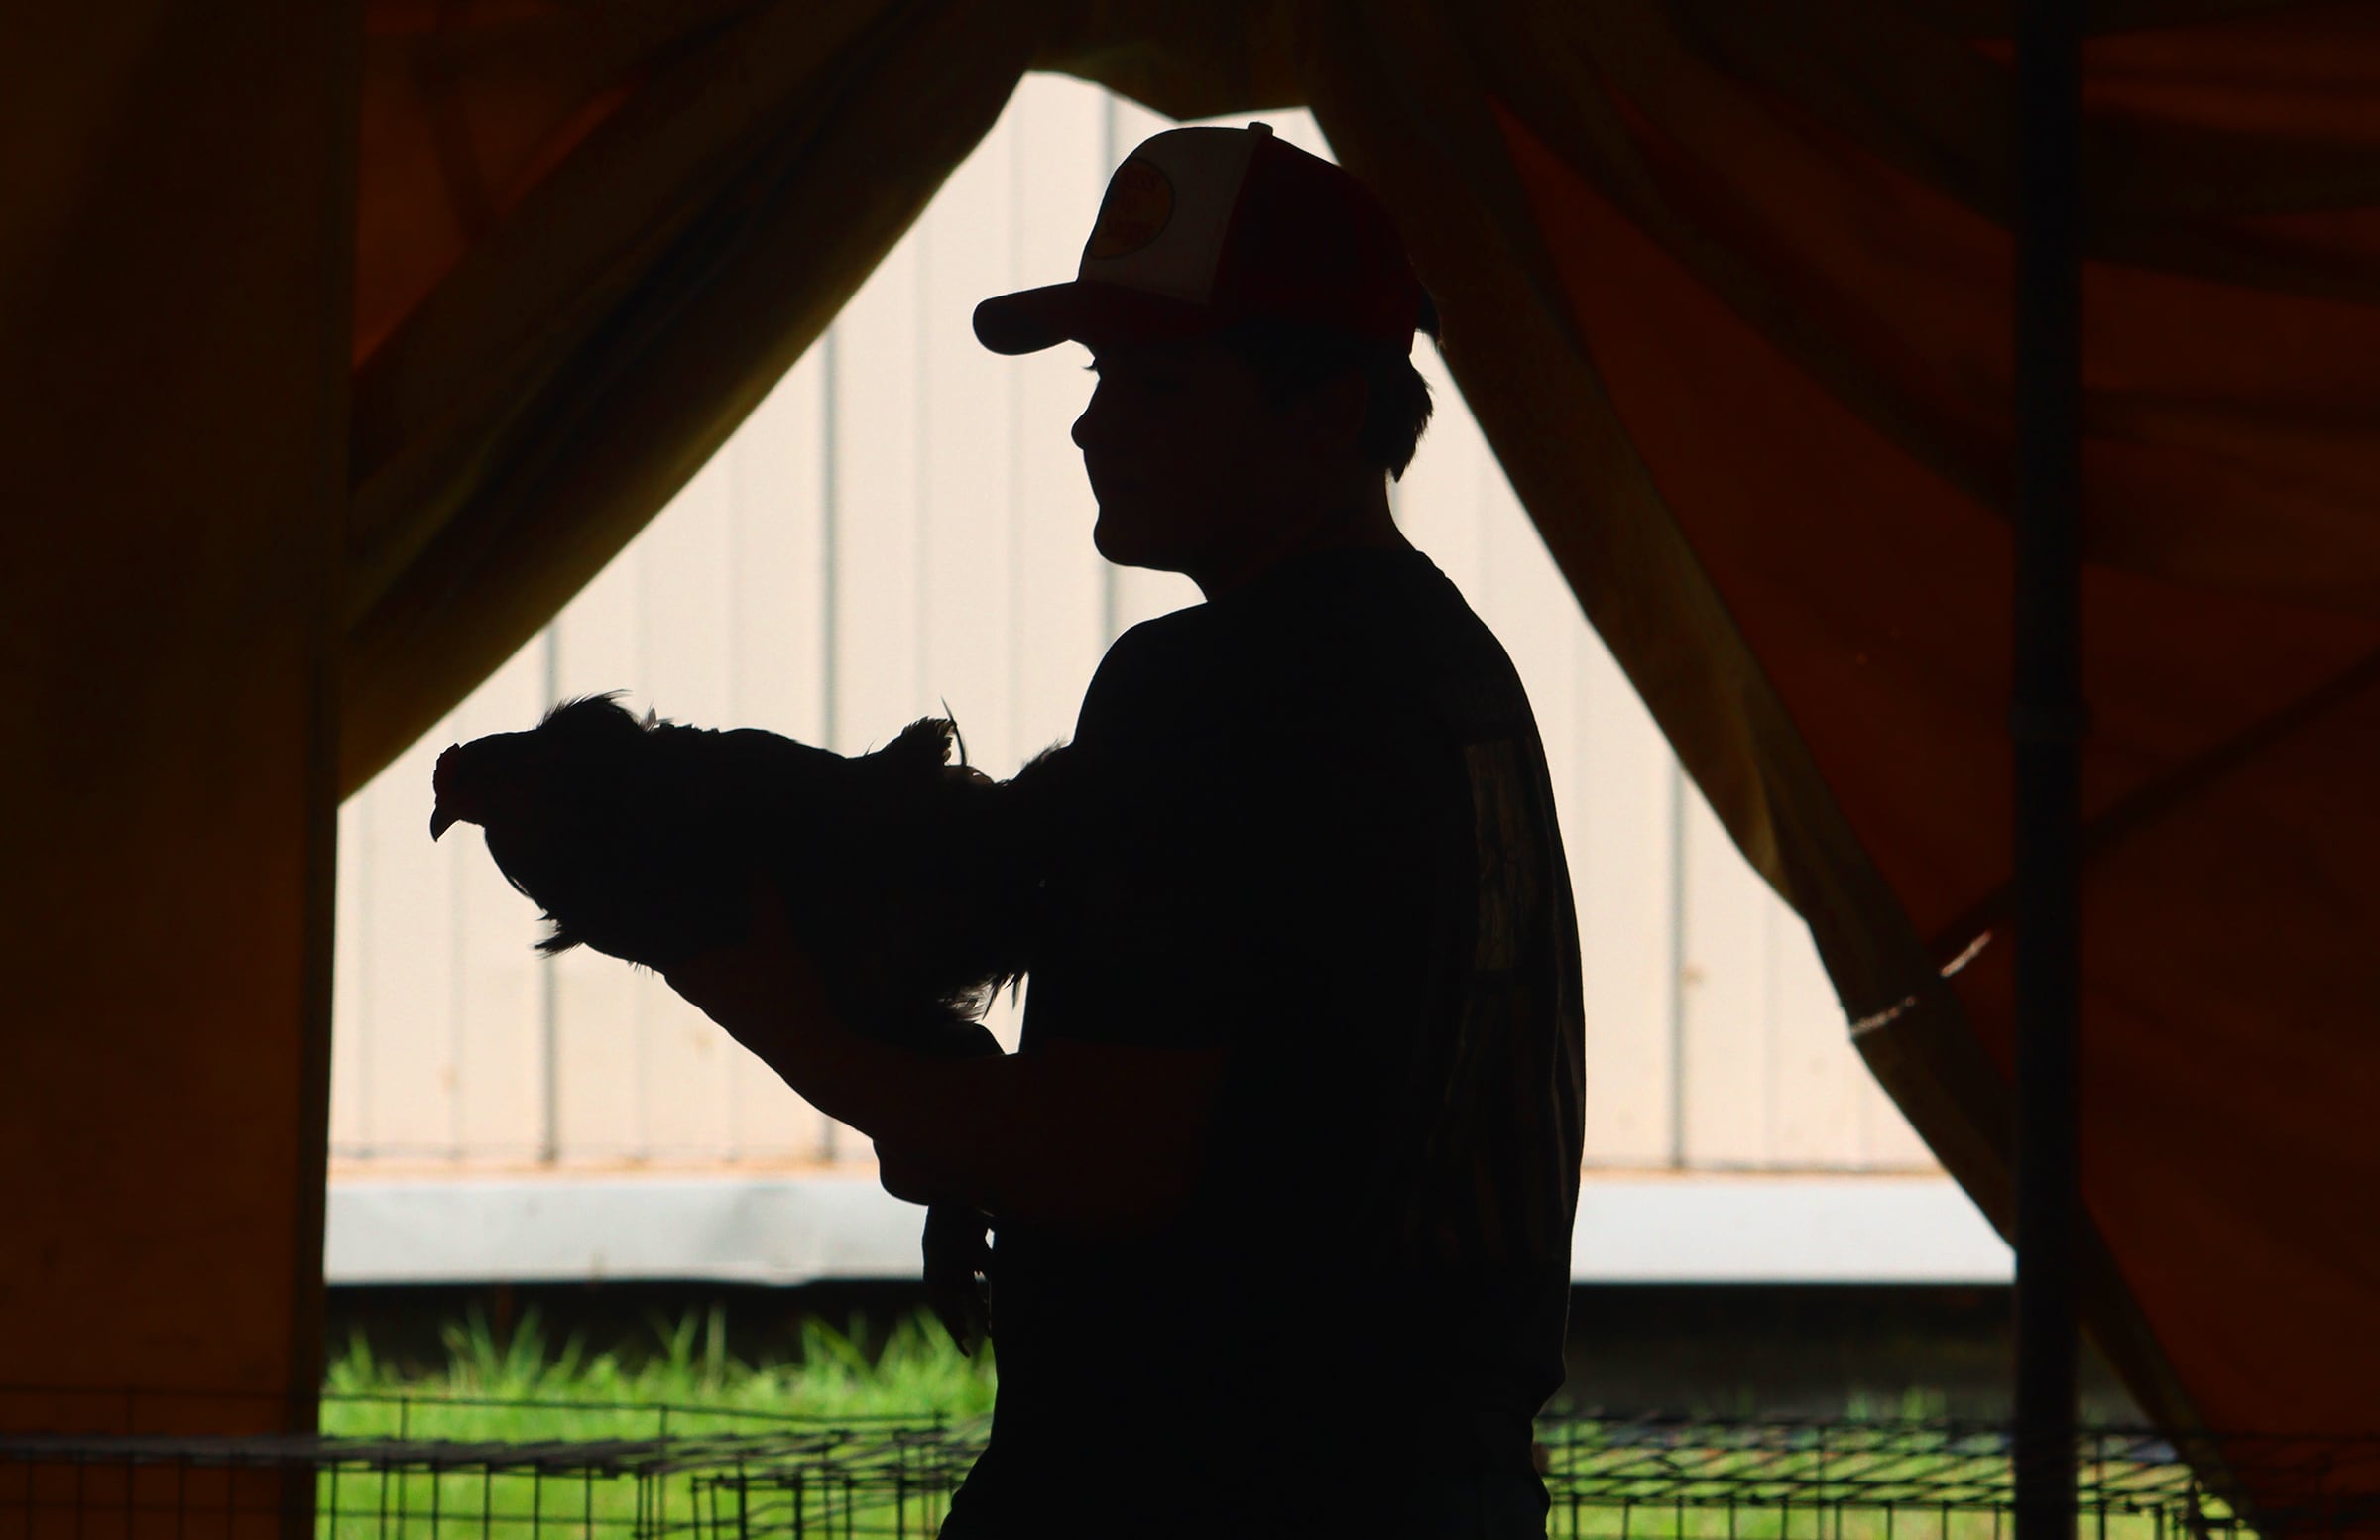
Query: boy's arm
(1096, 1135)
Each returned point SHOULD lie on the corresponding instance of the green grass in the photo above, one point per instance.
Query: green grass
(914, 1369)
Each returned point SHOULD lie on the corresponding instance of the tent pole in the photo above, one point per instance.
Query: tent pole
(2046, 726)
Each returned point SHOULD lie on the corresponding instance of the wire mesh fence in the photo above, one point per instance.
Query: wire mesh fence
(1678, 1479)
(405, 1468)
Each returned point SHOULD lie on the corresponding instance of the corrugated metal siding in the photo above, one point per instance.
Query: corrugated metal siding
(904, 522)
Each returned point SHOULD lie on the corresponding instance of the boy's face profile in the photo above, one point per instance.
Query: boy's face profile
(1194, 467)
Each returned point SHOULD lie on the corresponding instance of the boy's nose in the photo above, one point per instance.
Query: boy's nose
(1090, 428)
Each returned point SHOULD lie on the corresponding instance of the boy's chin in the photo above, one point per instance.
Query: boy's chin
(1128, 546)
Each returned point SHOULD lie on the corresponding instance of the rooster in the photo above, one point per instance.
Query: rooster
(909, 878)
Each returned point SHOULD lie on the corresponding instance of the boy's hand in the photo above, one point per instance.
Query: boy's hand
(958, 1270)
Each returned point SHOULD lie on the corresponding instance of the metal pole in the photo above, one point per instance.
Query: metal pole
(2046, 726)
(549, 986)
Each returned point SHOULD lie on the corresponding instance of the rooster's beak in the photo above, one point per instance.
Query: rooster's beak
(440, 820)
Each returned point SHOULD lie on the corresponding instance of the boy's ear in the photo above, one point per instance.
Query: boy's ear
(1333, 411)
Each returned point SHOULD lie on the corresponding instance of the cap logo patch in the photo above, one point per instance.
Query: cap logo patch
(1136, 211)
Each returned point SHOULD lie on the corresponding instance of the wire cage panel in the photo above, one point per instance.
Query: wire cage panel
(454, 1469)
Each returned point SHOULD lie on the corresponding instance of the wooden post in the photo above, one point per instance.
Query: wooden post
(174, 366)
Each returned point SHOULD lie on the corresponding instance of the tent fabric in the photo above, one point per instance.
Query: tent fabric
(670, 201)
(173, 363)
(1724, 282)
(1767, 251)
(1807, 345)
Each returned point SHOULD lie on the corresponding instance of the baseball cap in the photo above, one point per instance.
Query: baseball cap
(1205, 228)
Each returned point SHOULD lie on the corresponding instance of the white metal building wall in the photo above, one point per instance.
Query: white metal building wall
(904, 522)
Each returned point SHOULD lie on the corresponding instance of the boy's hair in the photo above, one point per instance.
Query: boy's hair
(1292, 359)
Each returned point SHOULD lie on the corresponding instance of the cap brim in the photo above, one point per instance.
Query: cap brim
(1092, 312)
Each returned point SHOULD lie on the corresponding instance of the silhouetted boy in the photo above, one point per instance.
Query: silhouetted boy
(1286, 1171)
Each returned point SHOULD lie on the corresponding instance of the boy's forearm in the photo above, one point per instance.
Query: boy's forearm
(1050, 1138)
(1086, 1134)
(887, 1093)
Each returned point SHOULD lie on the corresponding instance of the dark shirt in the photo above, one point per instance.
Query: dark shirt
(1310, 825)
